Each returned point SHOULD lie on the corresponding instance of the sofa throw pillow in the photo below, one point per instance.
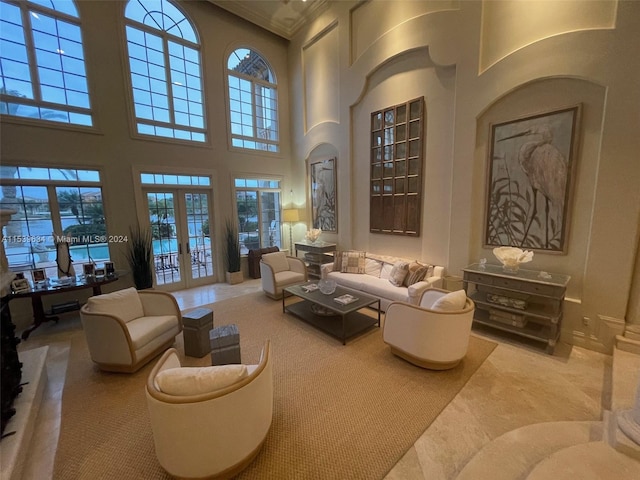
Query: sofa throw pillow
(417, 272)
(353, 262)
(337, 261)
(198, 380)
(277, 261)
(450, 302)
(385, 271)
(398, 273)
(372, 267)
(430, 270)
(124, 304)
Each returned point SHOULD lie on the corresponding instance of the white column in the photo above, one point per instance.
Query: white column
(629, 420)
(6, 276)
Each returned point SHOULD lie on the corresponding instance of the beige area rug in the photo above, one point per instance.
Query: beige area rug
(339, 411)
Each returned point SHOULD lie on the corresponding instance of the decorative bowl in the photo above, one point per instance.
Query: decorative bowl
(512, 257)
(327, 286)
(313, 235)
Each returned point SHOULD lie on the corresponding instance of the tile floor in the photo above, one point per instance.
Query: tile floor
(517, 385)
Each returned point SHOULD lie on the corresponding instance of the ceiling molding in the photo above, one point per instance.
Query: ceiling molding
(282, 17)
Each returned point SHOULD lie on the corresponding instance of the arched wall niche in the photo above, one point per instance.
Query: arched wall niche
(324, 151)
(540, 96)
(406, 76)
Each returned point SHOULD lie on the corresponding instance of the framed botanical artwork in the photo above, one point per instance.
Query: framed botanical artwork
(323, 191)
(529, 178)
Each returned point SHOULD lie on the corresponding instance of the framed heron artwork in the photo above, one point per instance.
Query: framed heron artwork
(323, 195)
(529, 178)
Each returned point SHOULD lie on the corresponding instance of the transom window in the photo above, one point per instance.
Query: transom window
(259, 213)
(42, 62)
(164, 62)
(172, 179)
(47, 200)
(253, 102)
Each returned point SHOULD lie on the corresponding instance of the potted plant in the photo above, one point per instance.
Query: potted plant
(232, 254)
(140, 257)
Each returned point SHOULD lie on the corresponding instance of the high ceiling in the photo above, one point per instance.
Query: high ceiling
(282, 17)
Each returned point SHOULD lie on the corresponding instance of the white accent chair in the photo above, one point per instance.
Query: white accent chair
(127, 328)
(279, 271)
(215, 434)
(433, 334)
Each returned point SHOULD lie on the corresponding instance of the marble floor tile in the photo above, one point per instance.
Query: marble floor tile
(514, 387)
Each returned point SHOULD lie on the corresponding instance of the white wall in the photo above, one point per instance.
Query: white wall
(475, 64)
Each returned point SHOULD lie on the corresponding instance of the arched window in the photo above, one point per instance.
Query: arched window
(253, 101)
(42, 62)
(164, 61)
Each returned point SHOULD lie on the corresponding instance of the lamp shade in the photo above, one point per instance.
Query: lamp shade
(290, 215)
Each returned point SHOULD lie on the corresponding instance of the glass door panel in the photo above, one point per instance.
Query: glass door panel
(164, 232)
(182, 253)
(198, 237)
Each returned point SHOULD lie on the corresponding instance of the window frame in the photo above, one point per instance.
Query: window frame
(253, 81)
(26, 7)
(131, 105)
(51, 186)
(259, 190)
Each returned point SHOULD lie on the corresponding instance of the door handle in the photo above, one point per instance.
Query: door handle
(180, 249)
(188, 247)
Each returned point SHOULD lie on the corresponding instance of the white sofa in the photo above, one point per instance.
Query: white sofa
(375, 279)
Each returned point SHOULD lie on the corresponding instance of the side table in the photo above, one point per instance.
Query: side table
(196, 326)
(317, 253)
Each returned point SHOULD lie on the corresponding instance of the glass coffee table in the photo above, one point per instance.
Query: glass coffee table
(326, 314)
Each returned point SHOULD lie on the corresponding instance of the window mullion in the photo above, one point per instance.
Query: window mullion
(167, 69)
(259, 202)
(254, 109)
(54, 208)
(31, 52)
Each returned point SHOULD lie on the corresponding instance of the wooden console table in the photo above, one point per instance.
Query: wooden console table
(36, 294)
(524, 303)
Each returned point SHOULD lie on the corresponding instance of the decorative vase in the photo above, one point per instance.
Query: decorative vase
(512, 257)
(312, 235)
(327, 286)
(511, 268)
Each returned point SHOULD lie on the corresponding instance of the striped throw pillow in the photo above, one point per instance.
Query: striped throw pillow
(417, 272)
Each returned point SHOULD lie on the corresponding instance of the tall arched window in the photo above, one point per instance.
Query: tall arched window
(164, 61)
(42, 62)
(253, 101)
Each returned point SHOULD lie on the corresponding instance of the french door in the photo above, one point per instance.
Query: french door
(182, 246)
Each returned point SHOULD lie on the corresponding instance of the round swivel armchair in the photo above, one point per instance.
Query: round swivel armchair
(215, 434)
(435, 333)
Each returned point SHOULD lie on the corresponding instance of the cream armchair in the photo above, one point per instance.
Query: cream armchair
(209, 432)
(435, 333)
(279, 271)
(127, 328)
